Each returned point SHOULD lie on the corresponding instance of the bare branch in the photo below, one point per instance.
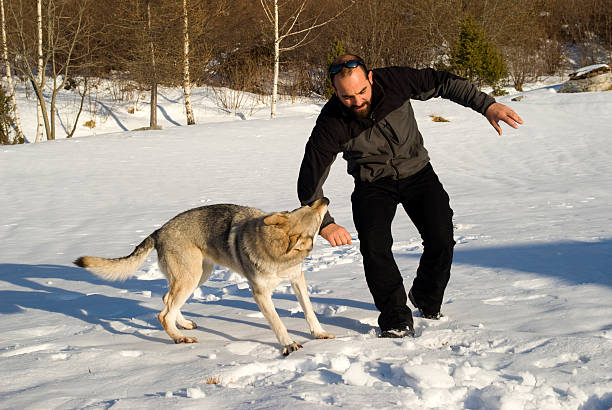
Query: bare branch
(267, 11)
(318, 25)
(293, 19)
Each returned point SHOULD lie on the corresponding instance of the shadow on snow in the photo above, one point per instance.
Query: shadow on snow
(574, 262)
(41, 287)
(44, 288)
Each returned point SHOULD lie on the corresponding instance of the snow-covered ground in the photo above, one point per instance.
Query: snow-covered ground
(528, 310)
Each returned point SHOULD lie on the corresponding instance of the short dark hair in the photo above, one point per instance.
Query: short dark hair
(343, 70)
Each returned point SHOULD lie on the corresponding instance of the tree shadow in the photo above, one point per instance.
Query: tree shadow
(170, 100)
(166, 116)
(574, 262)
(112, 114)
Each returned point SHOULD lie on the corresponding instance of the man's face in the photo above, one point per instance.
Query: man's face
(355, 91)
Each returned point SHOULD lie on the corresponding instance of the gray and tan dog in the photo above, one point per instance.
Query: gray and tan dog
(265, 248)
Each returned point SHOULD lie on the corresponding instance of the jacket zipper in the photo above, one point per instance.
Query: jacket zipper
(384, 134)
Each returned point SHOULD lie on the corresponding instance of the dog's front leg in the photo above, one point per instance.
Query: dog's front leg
(301, 291)
(263, 298)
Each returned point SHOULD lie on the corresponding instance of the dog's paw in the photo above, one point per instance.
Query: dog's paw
(323, 335)
(188, 325)
(185, 339)
(291, 348)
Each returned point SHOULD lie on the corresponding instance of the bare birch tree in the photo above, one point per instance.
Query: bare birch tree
(40, 76)
(186, 77)
(19, 138)
(292, 29)
(204, 15)
(153, 117)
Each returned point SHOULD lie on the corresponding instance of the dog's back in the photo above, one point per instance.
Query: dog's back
(216, 230)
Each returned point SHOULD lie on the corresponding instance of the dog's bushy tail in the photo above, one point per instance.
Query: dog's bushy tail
(117, 268)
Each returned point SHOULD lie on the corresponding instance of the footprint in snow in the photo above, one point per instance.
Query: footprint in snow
(561, 360)
(407, 247)
(328, 257)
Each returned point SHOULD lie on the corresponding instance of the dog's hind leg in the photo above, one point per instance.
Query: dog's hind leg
(184, 273)
(180, 319)
(207, 268)
(263, 298)
(301, 292)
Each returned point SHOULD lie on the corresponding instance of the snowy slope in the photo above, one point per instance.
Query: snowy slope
(528, 310)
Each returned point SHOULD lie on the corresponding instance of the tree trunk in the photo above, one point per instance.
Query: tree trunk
(53, 107)
(9, 78)
(186, 79)
(276, 62)
(153, 118)
(43, 107)
(40, 78)
(76, 121)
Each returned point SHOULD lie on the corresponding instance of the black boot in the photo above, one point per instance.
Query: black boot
(397, 333)
(424, 314)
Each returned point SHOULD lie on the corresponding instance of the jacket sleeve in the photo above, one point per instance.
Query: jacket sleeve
(319, 155)
(423, 84)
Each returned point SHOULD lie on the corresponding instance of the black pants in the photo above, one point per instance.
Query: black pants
(427, 204)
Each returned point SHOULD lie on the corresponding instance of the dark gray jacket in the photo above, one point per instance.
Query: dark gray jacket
(387, 143)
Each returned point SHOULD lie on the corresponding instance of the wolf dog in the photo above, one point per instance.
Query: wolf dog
(266, 248)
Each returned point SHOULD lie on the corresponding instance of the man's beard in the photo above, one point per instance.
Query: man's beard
(364, 112)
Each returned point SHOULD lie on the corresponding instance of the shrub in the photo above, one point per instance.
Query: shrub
(498, 91)
(90, 124)
(245, 69)
(475, 58)
(438, 118)
(213, 380)
(337, 49)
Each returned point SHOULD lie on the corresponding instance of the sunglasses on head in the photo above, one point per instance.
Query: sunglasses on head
(336, 68)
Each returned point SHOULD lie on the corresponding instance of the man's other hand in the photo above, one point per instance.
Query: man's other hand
(336, 235)
(500, 112)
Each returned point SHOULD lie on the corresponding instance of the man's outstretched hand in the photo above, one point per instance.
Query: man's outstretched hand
(500, 112)
(336, 235)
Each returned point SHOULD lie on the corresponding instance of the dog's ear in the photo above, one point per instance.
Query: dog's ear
(276, 219)
(299, 243)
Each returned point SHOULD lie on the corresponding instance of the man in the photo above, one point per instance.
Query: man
(370, 120)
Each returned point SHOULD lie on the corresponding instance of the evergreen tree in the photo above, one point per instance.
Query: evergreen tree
(336, 51)
(475, 58)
